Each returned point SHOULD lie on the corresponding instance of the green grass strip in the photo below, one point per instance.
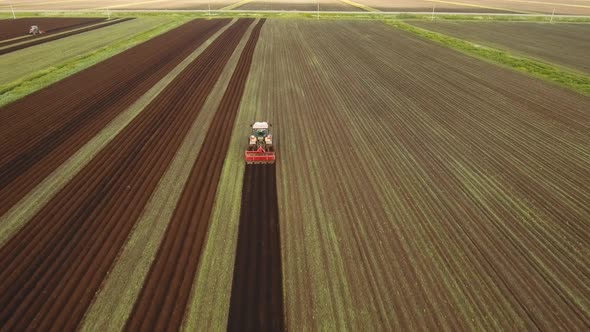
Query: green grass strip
(566, 78)
(311, 15)
(43, 78)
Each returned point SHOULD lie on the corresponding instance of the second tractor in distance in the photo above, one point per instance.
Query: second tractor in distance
(34, 30)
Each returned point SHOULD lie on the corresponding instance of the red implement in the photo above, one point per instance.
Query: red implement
(260, 156)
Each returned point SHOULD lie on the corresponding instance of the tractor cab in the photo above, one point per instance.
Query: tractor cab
(260, 129)
(260, 133)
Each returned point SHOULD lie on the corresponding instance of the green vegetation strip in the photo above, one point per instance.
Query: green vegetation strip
(310, 15)
(569, 79)
(43, 78)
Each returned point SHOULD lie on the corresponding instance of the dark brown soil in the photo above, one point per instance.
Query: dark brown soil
(20, 27)
(36, 41)
(44, 129)
(162, 302)
(54, 265)
(257, 289)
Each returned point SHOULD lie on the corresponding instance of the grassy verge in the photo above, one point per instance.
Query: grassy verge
(38, 80)
(310, 15)
(569, 79)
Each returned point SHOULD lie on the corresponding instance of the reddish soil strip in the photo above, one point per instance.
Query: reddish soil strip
(162, 302)
(53, 267)
(257, 289)
(37, 41)
(44, 129)
(20, 27)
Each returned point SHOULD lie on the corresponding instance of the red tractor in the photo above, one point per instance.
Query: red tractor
(260, 145)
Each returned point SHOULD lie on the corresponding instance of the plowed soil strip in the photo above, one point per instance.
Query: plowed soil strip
(163, 299)
(37, 41)
(42, 130)
(257, 289)
(10, 29)
(53, 267)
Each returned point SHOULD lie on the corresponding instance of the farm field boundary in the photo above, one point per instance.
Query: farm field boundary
(564, 45)
(368, 15)
(548, 72)
(37, 41)
(38, 80)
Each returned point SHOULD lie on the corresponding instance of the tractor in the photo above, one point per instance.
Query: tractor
(34, 30)
(260, 148)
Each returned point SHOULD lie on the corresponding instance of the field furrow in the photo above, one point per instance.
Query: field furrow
(163, 299)
(416, 187)
(96, 207)
(458, 199)
(38, 41)
(41, 131)
(257, 290)
(19, 28)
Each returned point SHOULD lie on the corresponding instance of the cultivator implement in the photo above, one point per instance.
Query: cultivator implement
(260, 156)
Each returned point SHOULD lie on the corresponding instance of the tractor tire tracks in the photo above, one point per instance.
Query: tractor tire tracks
(257, 289)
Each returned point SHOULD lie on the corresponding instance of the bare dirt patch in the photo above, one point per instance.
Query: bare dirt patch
(257, 290)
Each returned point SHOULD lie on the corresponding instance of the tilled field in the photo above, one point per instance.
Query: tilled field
(416, 188)
(88, 212)
(566, 45)
(10, 29)
(422, 188)
(257, 291)
(15, 45)
(59, 120)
